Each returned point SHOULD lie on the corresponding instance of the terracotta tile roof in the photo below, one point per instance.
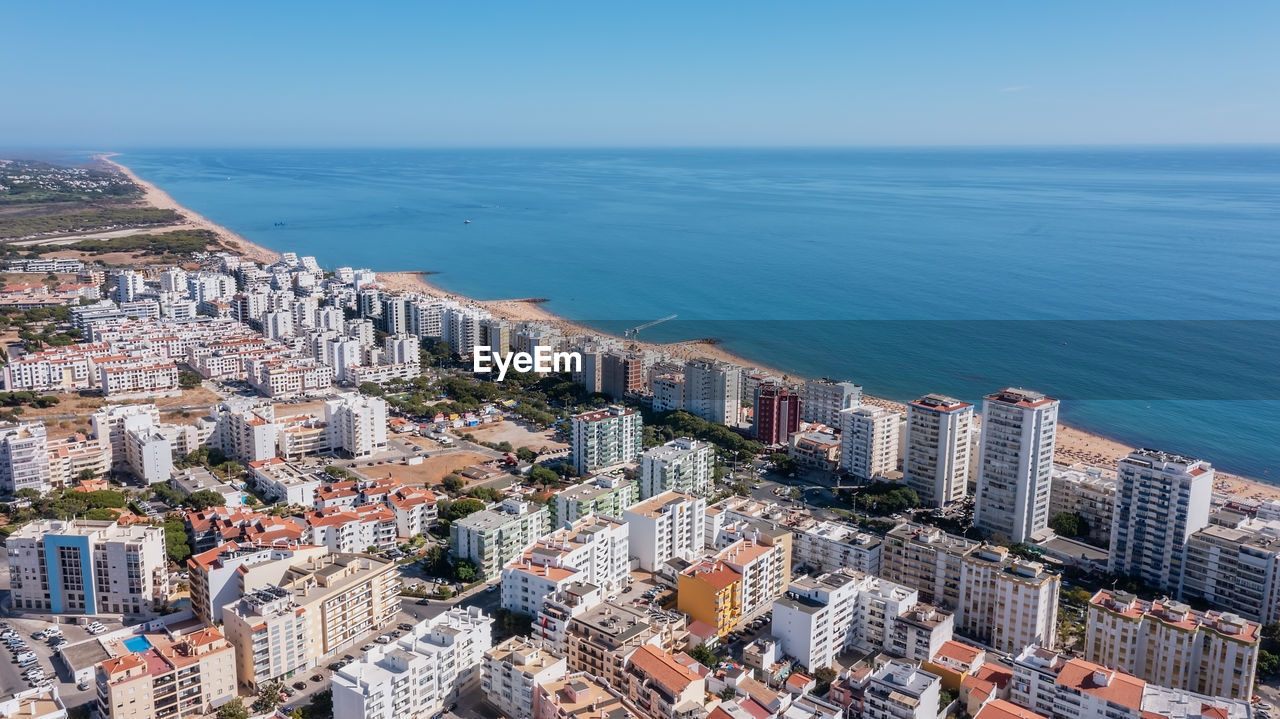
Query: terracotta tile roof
(1001, 709)
(958, 651)
(123, 663)
(1115, 687)
(717, 574)
(662, 668)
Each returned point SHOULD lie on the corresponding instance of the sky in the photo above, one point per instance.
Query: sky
(96, 75)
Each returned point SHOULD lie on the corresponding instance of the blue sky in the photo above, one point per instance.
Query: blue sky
(135, 74)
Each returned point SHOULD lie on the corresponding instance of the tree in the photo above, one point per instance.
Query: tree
(189, 380)
(1069, 524)
(176, 542)
(204, 499)
(337, 472)
(1268, 664)
(524, 454)
(234, 709)
(322, 704)
(823, 677)
(783, 462)
(104, 515)
(372, 389)
(463, 507)
(269, 696)
(465, 571)
(542, 475)
(454, 483)
(28, 494)
(728, 693)
(704, 656)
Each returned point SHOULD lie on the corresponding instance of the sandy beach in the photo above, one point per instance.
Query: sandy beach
(1074, 447)
(160, 199)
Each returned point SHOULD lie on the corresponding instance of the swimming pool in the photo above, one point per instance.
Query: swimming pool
(137, 644)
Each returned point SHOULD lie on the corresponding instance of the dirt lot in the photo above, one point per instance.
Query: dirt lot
(430, 472)
(85, 406)
(517, 435)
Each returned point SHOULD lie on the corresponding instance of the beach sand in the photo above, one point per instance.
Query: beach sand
(1074, 447)
(160, 199)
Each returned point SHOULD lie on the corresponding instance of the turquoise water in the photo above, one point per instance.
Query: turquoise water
(137, 644)
(1103, 276)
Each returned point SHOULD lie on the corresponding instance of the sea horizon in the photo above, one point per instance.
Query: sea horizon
(420, 197)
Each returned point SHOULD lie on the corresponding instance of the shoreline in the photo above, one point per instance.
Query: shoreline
(1075, 447)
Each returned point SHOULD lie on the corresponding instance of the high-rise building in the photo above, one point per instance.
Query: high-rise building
(512, 672)
(825, 399)
(869, 442)
(712, 390)
(605, 437)
(1005, 602)
(668, 392)
(1236, 568)
(607, 494)
(777, 414)
(395, 315)
(1015, 474)
(666, 526)
(828, 546)
(621, 373)
(88, 567)
(593, 551)
(416, 674)
(357, 424)
(936, 463)
(318, 607)
(598, 640)
(927, 559)
(24, 458)
(1161, 499)
(493, 537)
(1087, 494)
(224, 573)
(1167, 643)
(682, 465)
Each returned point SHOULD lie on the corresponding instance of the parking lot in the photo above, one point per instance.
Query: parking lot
(11, 675)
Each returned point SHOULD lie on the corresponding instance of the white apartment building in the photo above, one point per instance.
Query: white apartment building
(936, 462)
(1236, 568)
(315, 609)
(282, 481)
(70, 456)
(24, 458)
(713, 390)
(87, 567)
(352, 530)
(342, 354)
(138, 376)
(824, 399)
(493, 537)
(512, 672)
(602, 438)
(147, 451)
(245, 433)
(220, 576)
(1054, 686)
(898, 690)
(1086, 493)
(108, 425)
(765, 570)
(682, 465)
(1166, 643)
(829, 546)
(460, 327)
(666, 526)
(401, 349)
(1161, 499)
(288, 377)
(415, 511)
(927, 559)
(592, 551)
(210, 287)
(1015, 463)
(1007, 603)
(415, 675)
(668, 392)
(869, 442)
(357, 424)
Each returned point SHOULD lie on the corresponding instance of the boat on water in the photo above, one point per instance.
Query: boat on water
(466, 222)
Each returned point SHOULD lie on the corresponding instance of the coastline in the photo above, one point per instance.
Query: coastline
(1075, 447)
(160, 199)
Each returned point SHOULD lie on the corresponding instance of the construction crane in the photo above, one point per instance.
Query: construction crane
(631, 333)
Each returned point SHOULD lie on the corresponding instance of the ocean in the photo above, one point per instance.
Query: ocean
(1140, 285)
